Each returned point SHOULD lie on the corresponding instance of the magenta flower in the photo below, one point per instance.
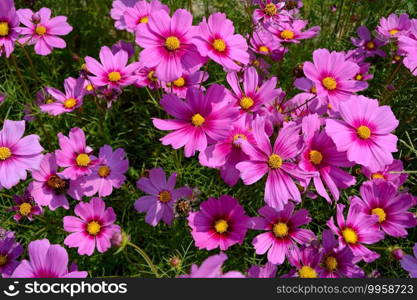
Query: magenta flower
(270, 12)
(365, 132)
(380, 198)
(10, 250)
(267, 271)
(220, 223)
(408, 45)
(25, 207)
(93, 228)
(113, 70)
(9, 27)
(117, 12)
(140, 13)
(46, 261)
(199, 120)
(167, 44)
(292, 32)
(43, 31)
(263, 42)
(50, 189)
(125, 46)
(306, 262)
(212, 268)
(356, 230)
(394, 26)
(17, 153)
(409, 263)
(161, 198)
(146, 77)
(74, 155)
(391, 173)
(181, 85)
(333, 75)
(366, 43)
(216, 39)
(283, 232)
(276, 162)
(108, 173)
(59, 103)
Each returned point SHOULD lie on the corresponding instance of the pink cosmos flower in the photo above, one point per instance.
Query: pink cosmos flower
(48, 187)
(10, 251)
(167, 43)
(292, 32)
(74, 155)
(333, 76)
(93, 228)
(306, 262)
(140, 13)
(364, 132)
(212, 268)
(113, 71)
(200, 120)
(409, 263)
(263, 42)
(59, 103)
(267, 271)
(9, 27)
(408, 44)
(276, 162)
(220, 223)
(270, 12)
(117, 12)
(25, 207)
(46, 261)
(187, 80)
(146, 77)
(17, 153)
(216, 39)
(161, 198)
(381, 198)
(394, 26)
(43, 31)
(283, 232)
(366, 43)
(356, 230)
(391, 173)
(108, 173)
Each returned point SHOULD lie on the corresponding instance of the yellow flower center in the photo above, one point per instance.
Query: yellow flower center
(397, 57)
(25, 209)
(378, 176)
(89, 87)
(280, 229)
(350, 236)
(359, 77)
(198, 120)
(164, 196)
(3, 260)
(329, 106)
(393, 31)
(151, 76)
(370, 45)
(4, 29)
(57, 184)
(104, 171)
(70, 103)
(263, 49)
(114, 76)
(287, 34)
(221, 226)
(237, 137)
(5, 153)
(329, 83)
(219, 45)
(275, 161)
(316, 157)
(40, 30)
(380, 213)
(83, 160)
(180, 82)
(144, 19)
(172, 43)
(93, 228)
(271, 9)
(331, 263)
(307, 272)
(313, 90)
(246, 102)
(49, 101)
(364, 132)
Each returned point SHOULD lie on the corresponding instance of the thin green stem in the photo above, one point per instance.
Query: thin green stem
(146, 258)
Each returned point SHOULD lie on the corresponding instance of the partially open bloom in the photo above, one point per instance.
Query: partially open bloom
(10, 251)
(306, 262)
(17, 153)
(187, 80)
(25, 207)
(394, 26)
(43, 31)
(366, 43)
(409, 263)
(46, 261)
(263, 42)
(212, 268)
(93, 228)
(282, 232)
(216, 39)
(292, 32)
(220, 223)
(365, 132)
(161, 198)
(392, 173)
(140, 13)
(9, 27)
(199, 120)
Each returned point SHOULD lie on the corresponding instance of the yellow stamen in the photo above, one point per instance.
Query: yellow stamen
(104, 171)
(198, 120)
(246, 103)
(350, 236)
(25, 209)
(219, 45)
(40, 29)
(57, 184)
(89, 87)
(70, 103)
(287, 34)
(370, 45)
(307, 272)
(172, 43)
(83, 160)
(49, 101)
(151, 76)
(144, 20)
(180, 82)
(4, 29)
(378, 176)
(5, 153)
(359, 77)
(331, 263)
(271, 9)
(329, 83)
(221, 226)
(380, 213)
(165, 196)
(114, 76)
(316, 157)
(393, 31)
(238, 137)
(263, 49)
(364, 132)
(275, 161)
(3, 260)
(93, 228)
(280, 229)
(313, 90)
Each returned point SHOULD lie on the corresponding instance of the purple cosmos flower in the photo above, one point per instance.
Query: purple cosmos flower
(167, 43)
(356, 230)
(161, 198)
(270, 12)
(146, 77)
(409, 263)
(43, 31)
(267, 271)
(212, 268)
(200, 120)
(9, 27)
(46, 261)
(292, 32)
(117, 12)
(391, 173)
(394, 26)
(381, 198)
(366, 43)
(59, 103)
(219, 223)
(365, 132)
(283, 232)
(216, 39)
(140, 13)
(25, 207)
(125, 46)
(93, 228)
(113, 70)
(181, 85)
(10, 250)
(17, 153)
